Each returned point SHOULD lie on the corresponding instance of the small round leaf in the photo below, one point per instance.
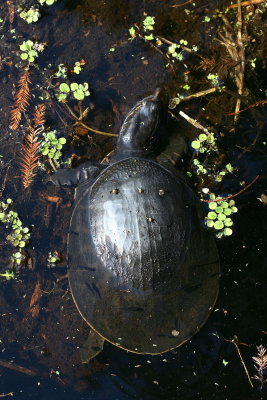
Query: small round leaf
(218, 225)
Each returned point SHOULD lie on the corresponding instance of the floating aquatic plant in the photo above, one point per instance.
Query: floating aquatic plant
(19, 235)
(51, 145)
(79, 91)
(47, 2)
(31, 15)
(28, 51)
(218, 217)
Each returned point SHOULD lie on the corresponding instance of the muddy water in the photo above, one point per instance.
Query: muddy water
(40, 344)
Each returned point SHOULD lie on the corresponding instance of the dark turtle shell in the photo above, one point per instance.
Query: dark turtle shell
(144, 273)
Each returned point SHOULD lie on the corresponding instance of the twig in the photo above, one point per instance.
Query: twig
(232, 195)
(235, 342)
(4, 182)
(192, 121)
(247, 3)
(86, 126)
(241, 51)
(258, 103)
(18, 368)
(183, 4)
(7, 394)
(178, 100)
(187, 49)
(235, 48)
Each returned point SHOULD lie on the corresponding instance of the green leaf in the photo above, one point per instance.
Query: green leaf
(171, 49)
(24, 56)
(50, 135)
(149, 37)
(221, 217)
(234, 209)
(85, 86)
(132, 32)
(228, 222)
(64, 88)
(209, 223)
(23, 46)
(29, 44)
(227, 211)
(227, 231)
(195, 144)
(218, 225)
(32, 53)
(213, 205)
(61, 96)
(202, 137)
(78, 94)
(219, 210)
(62, 140)
(212, 215)
(74, 86)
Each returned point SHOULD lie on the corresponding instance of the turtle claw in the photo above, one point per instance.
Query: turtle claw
(92, 347)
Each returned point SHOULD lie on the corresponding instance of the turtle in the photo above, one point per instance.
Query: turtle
(143, 269)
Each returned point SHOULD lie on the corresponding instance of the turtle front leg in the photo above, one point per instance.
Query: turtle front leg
(92, 346)
(74, 176)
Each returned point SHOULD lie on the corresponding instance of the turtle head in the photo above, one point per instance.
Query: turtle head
(140, 128)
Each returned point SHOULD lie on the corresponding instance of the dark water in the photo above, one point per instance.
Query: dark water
(49, 344)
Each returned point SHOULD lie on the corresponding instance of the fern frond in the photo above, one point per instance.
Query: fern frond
(39, 115)
(29, 158)
(30, 148)
(21, 99)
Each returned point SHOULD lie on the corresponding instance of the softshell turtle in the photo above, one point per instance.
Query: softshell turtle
(143, 270)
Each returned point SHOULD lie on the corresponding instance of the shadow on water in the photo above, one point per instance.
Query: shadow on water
(46, 344)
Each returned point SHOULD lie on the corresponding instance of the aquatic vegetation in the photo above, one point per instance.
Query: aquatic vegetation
(214, 78)
(47, 2)
(200, 169)
(61, 72)
(8, 275)
(79, 91)
(218, 217)
(228, 169)
(53, 258)
(148, 26)
(51, 145)
(20, 235)
(28, 51)
(77, 67)
(173, 49)
(31, 15)
(132, 32)
(206, 142)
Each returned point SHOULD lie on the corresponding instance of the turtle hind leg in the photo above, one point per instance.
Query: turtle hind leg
(91, 347)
